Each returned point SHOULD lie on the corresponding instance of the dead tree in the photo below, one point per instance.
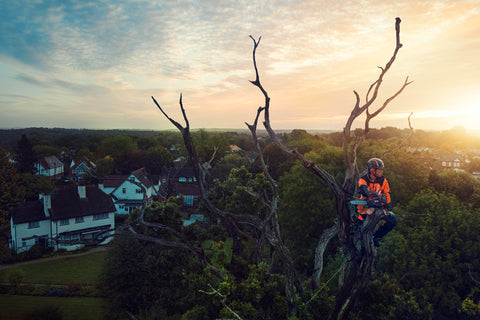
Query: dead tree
(267, 227)
(359, 263)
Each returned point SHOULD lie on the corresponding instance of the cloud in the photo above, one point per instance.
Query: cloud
(111, 56)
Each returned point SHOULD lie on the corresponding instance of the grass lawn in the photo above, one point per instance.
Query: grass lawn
(82, 269)
(14, 307)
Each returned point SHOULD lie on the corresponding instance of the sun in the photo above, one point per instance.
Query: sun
(470, 113)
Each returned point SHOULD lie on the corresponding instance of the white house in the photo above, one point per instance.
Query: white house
(71, 214)
(50, 166)
(81, 167)
(127, 191)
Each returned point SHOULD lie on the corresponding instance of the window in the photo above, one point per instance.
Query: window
(139, 191)
(124, 190)
(79, 220)
(182, 179)
(70, 237)
(100, 216)
(33, 224)
(64, 222)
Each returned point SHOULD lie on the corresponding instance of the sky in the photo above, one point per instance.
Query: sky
(96, 64)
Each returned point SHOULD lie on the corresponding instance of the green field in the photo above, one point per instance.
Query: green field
(14, 307)
(83, 270)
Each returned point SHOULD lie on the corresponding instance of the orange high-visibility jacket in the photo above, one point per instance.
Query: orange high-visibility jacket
(380, 186)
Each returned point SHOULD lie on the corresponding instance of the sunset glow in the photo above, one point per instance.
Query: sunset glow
(96, 64)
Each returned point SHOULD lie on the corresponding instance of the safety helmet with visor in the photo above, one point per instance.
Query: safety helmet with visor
(374, 164)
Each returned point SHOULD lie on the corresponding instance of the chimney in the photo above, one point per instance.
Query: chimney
(82, 192)
(47, 204)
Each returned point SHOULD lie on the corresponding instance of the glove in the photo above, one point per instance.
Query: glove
(384, 198)
(373, 200)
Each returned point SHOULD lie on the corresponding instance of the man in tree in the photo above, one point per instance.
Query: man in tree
(374, 188)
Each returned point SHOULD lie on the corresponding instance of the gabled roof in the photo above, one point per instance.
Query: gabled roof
(28, 212)
(50, 162)
(66, 203)
(235, 148)
(113, 181)
(141, 175)
(85, 161)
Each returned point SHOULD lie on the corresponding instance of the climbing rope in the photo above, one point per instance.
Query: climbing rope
(344, 264)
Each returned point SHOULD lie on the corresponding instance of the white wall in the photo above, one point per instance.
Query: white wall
(88, 222)
(23, 237)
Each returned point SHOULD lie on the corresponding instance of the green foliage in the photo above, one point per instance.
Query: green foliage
(118, 145)
(384, 299)
(157, 158)
(300, 140)
(219, 252)
(306, 208)
(407, 175)
(222, 168)
(35, 184)
(331, 159)
(15, 278)
(237, 194)
(277, 161)
(196, 313)
(46, 150)
(11, 191)
(258, 296)
(105, 166)
(460, 184)
(471, 308)
(85, 152)
(432, 250)
(23, 307)
(25, 155)
(140, 277)
(206, 142)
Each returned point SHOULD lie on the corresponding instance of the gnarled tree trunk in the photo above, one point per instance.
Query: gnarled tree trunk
(360, 256)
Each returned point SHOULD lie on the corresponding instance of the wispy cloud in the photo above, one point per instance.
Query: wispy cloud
(118, 53)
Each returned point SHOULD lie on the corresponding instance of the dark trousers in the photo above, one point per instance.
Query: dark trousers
(388, 223)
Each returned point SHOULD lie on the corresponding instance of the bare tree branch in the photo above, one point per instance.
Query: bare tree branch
(402, 143)
(223, 299)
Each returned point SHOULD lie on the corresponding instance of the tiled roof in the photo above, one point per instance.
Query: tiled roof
(113, 181)
(66, 203)
(28, 211)
(51, 162)
(141, 175)
(89, 164)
